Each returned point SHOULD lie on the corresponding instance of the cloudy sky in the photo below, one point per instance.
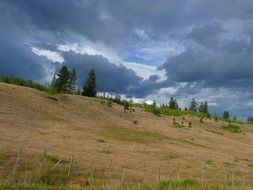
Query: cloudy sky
(143, 49)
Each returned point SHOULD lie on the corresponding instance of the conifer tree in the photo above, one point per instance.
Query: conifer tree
(193, 105)
(205, 108)
(72, 81)
(225, 115)
(201, 107)
(173, 103)
(89, 88)
(60, 81)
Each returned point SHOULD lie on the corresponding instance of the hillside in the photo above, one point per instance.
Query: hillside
(67, 125)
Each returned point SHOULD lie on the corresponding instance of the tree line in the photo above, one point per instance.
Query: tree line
(173, 105)
(65, 82)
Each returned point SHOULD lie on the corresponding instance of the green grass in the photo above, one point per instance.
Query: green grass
(209, 162)
(186, 184)
(173, 112)
(21, 82)
(51, 158)
(177, 184)
(2, 157)
(232, 128)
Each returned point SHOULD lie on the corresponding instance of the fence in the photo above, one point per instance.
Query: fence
(105, 171)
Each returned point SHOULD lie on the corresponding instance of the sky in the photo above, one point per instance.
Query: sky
(145, 49)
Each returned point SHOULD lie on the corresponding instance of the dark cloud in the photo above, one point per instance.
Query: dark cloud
(110, 77)
(216, 37)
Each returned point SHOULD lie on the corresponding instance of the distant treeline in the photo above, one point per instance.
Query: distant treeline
(65, 82)
(22, 82)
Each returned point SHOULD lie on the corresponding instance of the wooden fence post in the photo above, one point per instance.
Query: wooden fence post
(202, 177)
(70, 166)
(123, 177)
(178, 174)
(16, 165)
(110, 170)
(159, 174)
(233, 178)
(145, 174)
(92, 169)
(225, 177)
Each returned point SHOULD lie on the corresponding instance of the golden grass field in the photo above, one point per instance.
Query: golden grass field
(95, 134)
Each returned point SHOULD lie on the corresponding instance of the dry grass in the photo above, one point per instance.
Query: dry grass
(69, 124)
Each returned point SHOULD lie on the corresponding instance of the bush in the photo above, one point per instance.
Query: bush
(232, 128)
(51, 158)
(135, 122)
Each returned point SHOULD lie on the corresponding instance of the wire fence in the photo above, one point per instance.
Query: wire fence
(104, 169)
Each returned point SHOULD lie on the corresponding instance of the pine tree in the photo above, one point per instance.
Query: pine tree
(60, 82)
(154, 104)
(193, 105)
(250, 119)
(205, 108)
(173, 103)
(201, 107)
(72, 82)
(89, 88)
(225, 115)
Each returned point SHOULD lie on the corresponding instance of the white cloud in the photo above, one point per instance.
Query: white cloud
(51, 55)
(91, 48)
(145, 71)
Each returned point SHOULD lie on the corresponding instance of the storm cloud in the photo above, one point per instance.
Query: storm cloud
(142, 49)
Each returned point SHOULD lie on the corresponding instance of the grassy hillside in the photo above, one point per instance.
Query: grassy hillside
(104, 141)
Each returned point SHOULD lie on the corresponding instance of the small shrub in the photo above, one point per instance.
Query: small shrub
(190, 124)
(135, 122)
(51, 158)
(209, 161)
(176, 124)
(101, 141)
(52, 98)
(109, 103)
(232, 128)
(156, 111)
(53, 177)
(3, 157)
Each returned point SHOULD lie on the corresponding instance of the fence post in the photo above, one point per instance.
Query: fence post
(225, 177)
(233, 178)
(178, 174)
(145, 174)
(123, 177)
(159, 174)
(110, 170)
(92, 169)
(202, 177)
(70, 166)
(243, 180)
(16, 165)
